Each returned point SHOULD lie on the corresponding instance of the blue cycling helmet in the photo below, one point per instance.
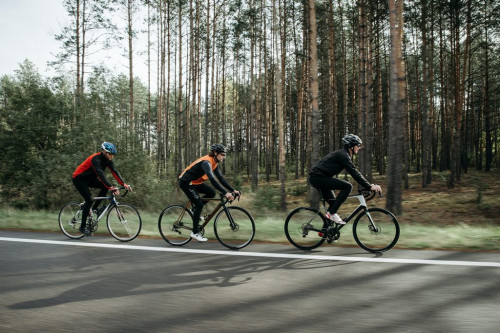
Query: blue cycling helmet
(109, 147)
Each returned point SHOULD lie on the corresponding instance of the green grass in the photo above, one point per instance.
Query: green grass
(464, 218)
(269, 228)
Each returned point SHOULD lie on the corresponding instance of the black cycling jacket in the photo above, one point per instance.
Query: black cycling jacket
(336, 161)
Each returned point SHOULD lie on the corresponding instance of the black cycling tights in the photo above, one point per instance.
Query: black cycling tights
(192, 192)
(82, 185)
(327, 185)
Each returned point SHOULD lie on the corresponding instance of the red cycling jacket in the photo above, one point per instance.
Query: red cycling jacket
(93, 167)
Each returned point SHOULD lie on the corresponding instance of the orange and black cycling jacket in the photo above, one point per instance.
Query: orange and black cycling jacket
(204, 169)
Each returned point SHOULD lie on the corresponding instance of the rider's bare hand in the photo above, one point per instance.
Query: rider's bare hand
(376, 188)
(114, 191)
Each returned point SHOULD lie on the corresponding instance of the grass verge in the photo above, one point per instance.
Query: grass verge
(269, 228)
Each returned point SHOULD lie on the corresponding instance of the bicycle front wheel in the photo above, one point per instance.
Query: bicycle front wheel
(234, 227)
(176, 224)
(305, 228)
(379, 236)
(70, 219)
(124, 222)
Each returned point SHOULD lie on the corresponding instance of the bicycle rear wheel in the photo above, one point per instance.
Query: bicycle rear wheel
(380, 236)
(176, 224)
(234, 228)
(305, 228)
(124, 222)
(70, 220)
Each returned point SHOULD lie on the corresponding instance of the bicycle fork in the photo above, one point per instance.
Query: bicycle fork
(234, 225)
(372, 226)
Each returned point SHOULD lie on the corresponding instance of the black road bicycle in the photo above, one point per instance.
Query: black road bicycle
(123, 221)
(374, 229)
(233, 226)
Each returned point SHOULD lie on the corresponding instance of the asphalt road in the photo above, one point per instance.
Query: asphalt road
(53, 284)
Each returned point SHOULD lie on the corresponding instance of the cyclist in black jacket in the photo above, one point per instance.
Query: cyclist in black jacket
(332, 164)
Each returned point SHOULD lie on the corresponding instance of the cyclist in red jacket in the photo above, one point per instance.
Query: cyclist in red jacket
(91, 174)
(192, 178)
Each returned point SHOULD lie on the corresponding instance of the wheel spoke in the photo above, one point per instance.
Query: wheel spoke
(234, 228)
(376, 231)
(124, 222)
(305, 228)
(70, 219)
(175, 225)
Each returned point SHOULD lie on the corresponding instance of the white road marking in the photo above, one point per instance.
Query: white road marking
(258, 254)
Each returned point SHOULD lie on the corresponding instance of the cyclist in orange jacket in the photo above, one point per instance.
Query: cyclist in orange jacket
(192, 179)
(91, 174)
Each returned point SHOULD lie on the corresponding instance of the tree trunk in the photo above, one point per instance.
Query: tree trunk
(459, 89)
(181, 138)
(148, 145)
(315, 128)
(279, 56)
(362, 110)
(426, 102)
(487, 114)
(78, 93)
(254, 148)
(397, 107)
(130, 35)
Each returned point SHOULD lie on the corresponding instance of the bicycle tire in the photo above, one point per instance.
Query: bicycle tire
(124, 222)
(70, 220)
(383, 238)
(237, 235)
(305, 228)
(175, 225)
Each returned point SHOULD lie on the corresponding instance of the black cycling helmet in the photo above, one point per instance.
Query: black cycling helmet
(351, 140)
(217, 147)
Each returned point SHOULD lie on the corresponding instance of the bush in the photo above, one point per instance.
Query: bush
(268, 197)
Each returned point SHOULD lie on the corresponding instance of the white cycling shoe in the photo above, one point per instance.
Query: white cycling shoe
(198, 237)
(335, 218)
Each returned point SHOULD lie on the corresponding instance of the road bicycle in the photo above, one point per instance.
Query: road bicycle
(374, 229)
(234, 227)
(123, 221)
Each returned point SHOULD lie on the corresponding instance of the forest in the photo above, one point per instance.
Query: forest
(279, 82)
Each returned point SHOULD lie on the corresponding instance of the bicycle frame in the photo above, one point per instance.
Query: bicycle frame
(112, 203)
(362, 207)
(222, 204)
